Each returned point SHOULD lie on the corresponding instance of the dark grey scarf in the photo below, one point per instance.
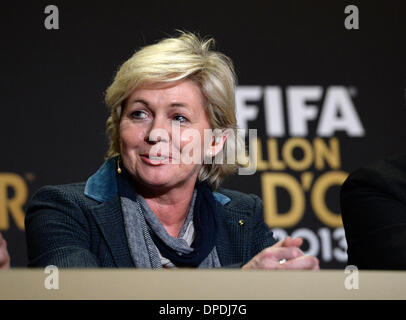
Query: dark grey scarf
(140, 222)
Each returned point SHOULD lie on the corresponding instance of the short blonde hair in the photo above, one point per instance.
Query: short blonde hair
(184, 57)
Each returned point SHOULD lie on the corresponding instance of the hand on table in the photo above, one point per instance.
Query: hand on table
(4, 256)
(287, 249)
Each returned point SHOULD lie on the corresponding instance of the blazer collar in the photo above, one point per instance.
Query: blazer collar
(102, 185)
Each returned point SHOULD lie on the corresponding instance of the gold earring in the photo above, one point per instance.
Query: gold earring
(118, 165)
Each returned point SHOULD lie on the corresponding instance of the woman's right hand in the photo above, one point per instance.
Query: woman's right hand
(4, 256)
(283, 255)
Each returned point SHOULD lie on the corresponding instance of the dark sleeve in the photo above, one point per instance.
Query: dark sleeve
(57, 231)
(374, 217)
(262, 236)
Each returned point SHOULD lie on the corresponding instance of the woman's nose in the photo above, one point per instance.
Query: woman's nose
(159, 131)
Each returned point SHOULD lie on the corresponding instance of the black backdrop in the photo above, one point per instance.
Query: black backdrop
(52, 84)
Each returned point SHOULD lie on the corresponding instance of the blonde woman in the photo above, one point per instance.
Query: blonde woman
(156, 201)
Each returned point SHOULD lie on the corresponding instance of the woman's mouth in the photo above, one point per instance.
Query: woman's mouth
(155, 160)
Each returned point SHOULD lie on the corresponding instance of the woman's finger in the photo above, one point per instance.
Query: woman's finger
(289, 242)
(278, 254)
(302, 263)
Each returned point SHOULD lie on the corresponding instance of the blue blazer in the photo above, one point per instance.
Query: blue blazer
(81, 225)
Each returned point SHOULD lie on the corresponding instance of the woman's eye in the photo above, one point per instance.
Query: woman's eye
(179, 118)
(138, 115)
